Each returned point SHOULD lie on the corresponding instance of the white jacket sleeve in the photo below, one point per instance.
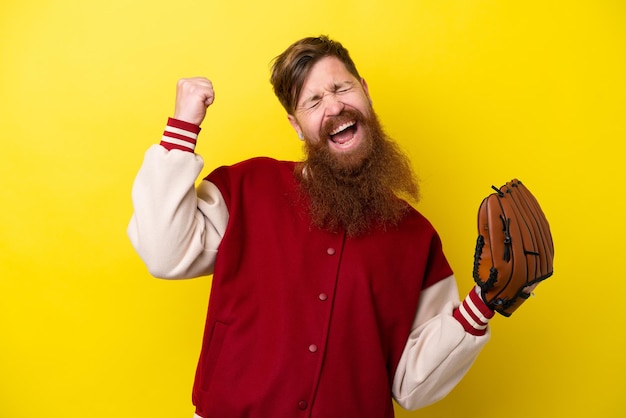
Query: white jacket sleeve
(445, 339)
(176, 229)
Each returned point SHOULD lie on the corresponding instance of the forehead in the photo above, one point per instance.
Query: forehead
(325, 74)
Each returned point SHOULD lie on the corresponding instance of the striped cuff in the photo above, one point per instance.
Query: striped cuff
(180, 135)
(473, 314)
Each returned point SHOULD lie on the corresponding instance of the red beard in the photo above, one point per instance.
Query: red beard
(357, 190)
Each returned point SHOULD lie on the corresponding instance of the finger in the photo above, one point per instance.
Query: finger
(209, 99)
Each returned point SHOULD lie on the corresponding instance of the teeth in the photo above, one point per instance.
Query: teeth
(342, 127)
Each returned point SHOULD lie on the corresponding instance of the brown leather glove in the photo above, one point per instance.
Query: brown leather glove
(514, 248)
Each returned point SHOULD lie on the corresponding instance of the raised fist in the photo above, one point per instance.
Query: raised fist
(193, 97)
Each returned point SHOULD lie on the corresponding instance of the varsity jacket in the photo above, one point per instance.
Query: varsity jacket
(301, 322)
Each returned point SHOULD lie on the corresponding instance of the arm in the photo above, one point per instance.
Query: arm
(176, 229)
(445, 339)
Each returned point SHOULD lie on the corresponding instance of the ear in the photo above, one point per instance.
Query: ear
(366, 89)
(296, 126)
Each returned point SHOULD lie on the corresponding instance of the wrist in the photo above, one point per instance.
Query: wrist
(180, 134)
(473, 313)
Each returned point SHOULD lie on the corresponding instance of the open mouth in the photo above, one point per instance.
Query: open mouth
(344, 133)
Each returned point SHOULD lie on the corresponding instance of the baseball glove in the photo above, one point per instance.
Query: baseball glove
(514, 248)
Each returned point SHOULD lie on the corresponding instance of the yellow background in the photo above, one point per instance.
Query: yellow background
(477, 92)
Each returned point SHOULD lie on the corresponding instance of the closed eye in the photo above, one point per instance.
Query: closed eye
(343, 88)
(312, 104)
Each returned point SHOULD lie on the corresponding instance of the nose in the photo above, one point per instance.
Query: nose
(334, 106)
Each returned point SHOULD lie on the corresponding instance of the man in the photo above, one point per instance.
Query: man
(330, 294)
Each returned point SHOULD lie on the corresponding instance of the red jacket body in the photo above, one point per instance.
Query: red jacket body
(304, 322)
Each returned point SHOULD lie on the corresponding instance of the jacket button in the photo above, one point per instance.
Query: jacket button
(330, 251)
(302, 405)
(323, 296)
(312, 348)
